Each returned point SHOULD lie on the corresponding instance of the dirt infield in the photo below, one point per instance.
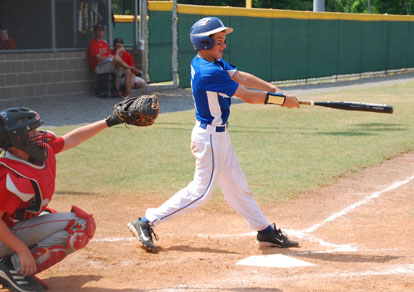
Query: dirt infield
(356, 233)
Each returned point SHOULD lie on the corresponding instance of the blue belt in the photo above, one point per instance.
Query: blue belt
(203, 125)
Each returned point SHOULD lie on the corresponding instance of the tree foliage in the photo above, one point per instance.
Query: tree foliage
(234, 3)
(278, 4)
(350, 6)
(377, 6)
(395, 6)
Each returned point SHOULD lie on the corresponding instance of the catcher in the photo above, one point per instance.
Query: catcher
(34, 237)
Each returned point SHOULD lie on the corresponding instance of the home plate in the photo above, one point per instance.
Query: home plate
(273, 261)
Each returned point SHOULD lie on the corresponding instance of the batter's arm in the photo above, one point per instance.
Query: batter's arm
(260, 97)
(81, 134)
(27, 262)
(250, 96)
(250, 81)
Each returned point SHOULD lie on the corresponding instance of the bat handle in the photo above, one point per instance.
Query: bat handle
(306, 102)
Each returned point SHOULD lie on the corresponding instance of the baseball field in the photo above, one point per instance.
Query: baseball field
(339, 182)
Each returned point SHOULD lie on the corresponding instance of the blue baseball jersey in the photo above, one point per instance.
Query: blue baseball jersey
(212, 89)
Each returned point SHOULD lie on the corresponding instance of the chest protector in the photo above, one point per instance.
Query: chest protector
(42, 177)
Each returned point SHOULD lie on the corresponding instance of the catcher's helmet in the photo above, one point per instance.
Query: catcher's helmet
(201, 31)
(15, 125)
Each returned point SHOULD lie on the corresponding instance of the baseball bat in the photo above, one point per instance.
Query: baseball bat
(353, 106)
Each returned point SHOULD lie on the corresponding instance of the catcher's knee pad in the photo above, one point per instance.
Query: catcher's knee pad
(80, 230)
(80, 234)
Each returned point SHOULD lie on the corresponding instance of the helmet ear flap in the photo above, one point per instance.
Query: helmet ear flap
(202, 42)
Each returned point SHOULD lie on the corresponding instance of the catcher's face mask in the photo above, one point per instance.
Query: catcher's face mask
(21, 124)
(33, 143)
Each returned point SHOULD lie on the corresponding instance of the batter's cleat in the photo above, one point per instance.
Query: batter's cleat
(14, 281)
(275, 238)
(144, 232)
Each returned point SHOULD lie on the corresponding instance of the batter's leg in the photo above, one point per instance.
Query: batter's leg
(236, 191)
(207, 149)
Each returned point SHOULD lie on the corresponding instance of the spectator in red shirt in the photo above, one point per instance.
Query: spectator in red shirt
(136, 77)
(102, 61)
(6, 41)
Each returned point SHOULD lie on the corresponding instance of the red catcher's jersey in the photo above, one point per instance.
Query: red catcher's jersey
(19, 179)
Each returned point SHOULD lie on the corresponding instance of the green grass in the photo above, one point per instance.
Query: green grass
(283, 152)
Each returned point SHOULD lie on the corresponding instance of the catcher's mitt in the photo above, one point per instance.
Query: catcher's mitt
(138, 111)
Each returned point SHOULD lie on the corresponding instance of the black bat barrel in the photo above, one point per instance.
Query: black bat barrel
(357, 106)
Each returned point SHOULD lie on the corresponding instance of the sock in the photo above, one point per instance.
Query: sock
(143, 219)
(15, 261)
(266, 230)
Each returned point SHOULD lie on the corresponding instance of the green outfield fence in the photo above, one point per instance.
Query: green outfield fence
(280, 45)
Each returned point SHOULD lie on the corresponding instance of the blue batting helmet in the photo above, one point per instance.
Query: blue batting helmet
(202, 30)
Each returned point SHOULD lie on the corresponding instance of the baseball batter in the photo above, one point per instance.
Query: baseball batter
(213, 83)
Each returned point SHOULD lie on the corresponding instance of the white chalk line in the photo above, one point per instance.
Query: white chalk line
(113, 239)
(117, 239)
(304, 234)
(357, 204)
(344, 247)
(334, 247)
(387, 271)
(226, 235)
(407, 269)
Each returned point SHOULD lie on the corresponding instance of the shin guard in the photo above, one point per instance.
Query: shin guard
(79, 232)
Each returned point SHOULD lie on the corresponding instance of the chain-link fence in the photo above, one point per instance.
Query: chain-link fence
(124, 7)
(51, 25)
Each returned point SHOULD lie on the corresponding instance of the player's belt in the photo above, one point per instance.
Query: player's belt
(204, 126)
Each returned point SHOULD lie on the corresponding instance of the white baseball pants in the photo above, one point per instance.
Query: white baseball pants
(216, 163)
